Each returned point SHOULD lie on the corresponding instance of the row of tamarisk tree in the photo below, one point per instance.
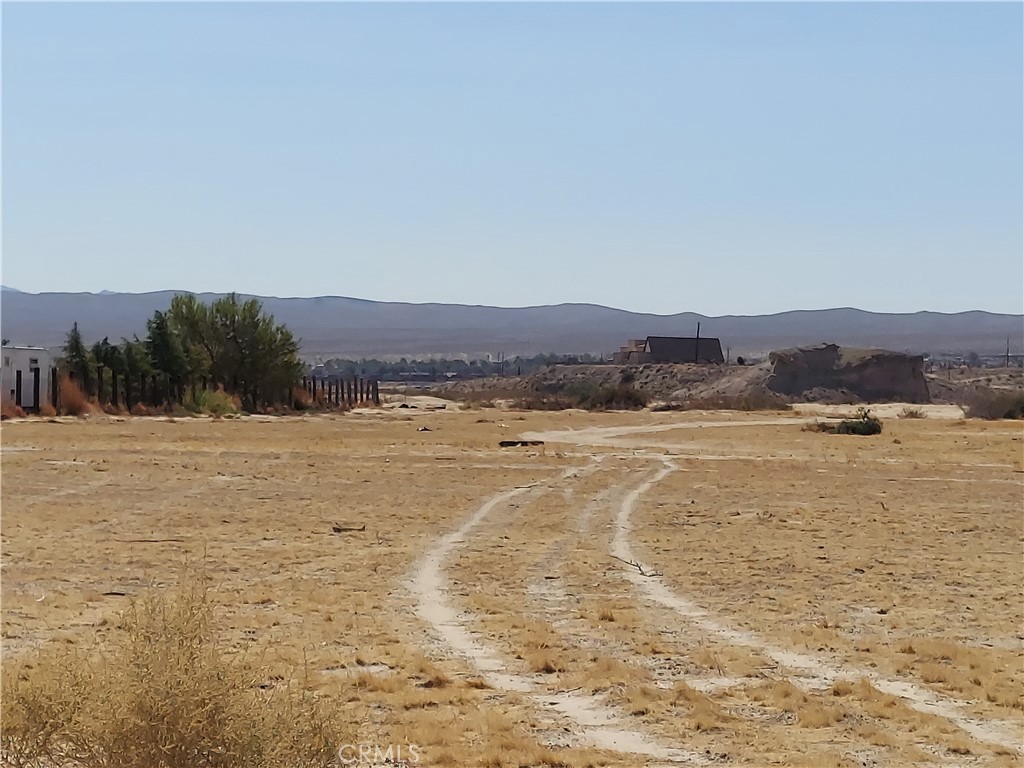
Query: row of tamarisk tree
(228, 344)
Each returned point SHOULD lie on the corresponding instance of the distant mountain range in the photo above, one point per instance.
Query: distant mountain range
(335, 326)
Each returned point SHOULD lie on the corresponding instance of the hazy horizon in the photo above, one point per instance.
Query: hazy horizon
(822, 308)
(660, 158)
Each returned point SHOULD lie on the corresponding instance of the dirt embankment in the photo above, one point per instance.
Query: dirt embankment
(822, 374)
(868, 374)
(658, 381)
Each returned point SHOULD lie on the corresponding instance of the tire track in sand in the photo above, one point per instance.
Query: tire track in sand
(596, 721)
(812, 673)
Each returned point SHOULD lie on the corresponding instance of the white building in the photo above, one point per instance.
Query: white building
(25, 376)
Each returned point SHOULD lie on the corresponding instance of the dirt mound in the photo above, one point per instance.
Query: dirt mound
(657, 381)
(822, 374)
(869, 374)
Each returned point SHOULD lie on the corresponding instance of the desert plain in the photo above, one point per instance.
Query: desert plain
(679, 588)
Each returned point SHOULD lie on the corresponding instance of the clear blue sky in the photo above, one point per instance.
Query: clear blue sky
(724, 159)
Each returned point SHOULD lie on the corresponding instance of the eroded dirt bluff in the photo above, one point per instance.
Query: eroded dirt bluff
(871, 374)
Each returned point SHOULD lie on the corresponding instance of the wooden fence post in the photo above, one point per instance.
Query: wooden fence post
(376, 392)
(114, 393)
(99, 384)
(54, 387)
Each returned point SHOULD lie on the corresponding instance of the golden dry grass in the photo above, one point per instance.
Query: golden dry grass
(71, 399)
(842, 546)
(163, 692)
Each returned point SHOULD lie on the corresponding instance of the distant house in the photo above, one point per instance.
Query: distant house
(670, 349)
(25, 376)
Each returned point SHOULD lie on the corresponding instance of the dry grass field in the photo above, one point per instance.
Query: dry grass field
(682, 588)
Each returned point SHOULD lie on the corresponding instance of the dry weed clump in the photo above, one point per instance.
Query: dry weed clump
(912, 413)
(9, 410)
(165, 695)
(47, 410)
(864, 424)
(754, 400)
(588, 395)
(995, 404)
(301, 399)
(72, 400)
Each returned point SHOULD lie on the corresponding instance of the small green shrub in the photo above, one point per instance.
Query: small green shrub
(864, 424)
(214, 402)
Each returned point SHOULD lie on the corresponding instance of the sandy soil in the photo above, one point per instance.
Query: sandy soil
(645, 589)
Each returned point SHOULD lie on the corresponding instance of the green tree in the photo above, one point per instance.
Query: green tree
(259, 357)
(236, 345)
(77, 361)
(166, 353)
(193, 322)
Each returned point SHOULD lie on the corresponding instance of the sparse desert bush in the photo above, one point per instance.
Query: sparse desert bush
(818, 426)
(215, 402)
(618, 397)
(9, 410)
(165, 695)
(71, 399)
(754, 400)
(994, 404)
(47, 410)
(539, 401)
(912, 413)
(301, 399)
(588, 395)
(864, 424)
(139, 410)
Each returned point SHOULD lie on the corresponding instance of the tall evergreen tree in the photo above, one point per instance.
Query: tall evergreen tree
(166, 354)
(77, 360)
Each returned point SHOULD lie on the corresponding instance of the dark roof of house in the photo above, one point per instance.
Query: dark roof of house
(685, 349)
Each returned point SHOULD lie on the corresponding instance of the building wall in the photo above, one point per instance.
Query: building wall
(24, 359)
